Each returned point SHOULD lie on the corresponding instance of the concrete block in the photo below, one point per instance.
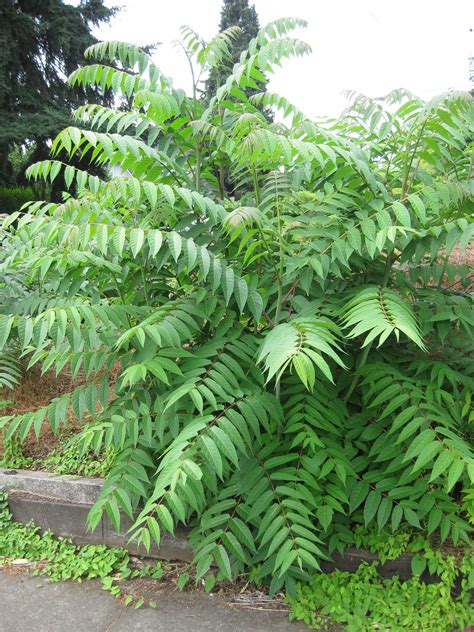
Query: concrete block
(75, 489)
(62, 519)
(352, 559)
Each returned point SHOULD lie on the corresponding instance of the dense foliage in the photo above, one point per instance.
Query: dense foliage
(38, 53)
(11, 199)
(361, 600)
(291, 360)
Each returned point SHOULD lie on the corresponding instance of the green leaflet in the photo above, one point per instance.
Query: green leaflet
(402, 214)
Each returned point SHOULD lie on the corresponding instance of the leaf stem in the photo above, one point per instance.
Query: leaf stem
(365, 353)
(122, 298)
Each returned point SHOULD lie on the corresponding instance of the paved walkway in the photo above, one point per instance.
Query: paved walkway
(30, 604)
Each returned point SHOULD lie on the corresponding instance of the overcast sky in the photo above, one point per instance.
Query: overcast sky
(371, 46)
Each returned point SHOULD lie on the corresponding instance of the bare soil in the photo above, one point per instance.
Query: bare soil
(458, 257)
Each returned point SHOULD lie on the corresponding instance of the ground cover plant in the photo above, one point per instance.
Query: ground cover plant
(292, 363)
(363, 601)
(63, 458)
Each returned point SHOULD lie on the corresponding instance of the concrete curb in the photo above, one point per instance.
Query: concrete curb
(353, 558)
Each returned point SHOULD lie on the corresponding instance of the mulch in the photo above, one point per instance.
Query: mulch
(33, 392)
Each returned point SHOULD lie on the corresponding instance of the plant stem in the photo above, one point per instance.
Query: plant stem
(281, 253)
(197, 179)
(145, 290)
(122, 298)
(221, 166)
(255, 185)
(221, 181)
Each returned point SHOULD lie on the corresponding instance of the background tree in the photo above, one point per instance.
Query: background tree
(234, 13)
(42, 42)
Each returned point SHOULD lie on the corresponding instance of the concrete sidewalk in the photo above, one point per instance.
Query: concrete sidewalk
(30, 604)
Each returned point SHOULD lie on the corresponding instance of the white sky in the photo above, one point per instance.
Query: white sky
(371, 46)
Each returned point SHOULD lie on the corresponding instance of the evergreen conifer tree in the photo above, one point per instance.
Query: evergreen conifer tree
(234, 13)
(42, 42)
